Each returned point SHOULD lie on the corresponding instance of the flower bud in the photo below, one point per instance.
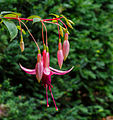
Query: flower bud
(60, 54)
(39, 67)
(47, 58)
(22, 44)
(60, 58)
(66, 46)
(44, 56)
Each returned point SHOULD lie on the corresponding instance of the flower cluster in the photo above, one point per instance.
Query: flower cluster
(42, 70)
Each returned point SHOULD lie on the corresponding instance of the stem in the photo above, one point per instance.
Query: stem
(52, 19)
(17, 18)
(30, 33)
(46, 32)
(31, 19)
(42, 34)
(63, 24)
(53, 23)
(20, 28)
(58, 30)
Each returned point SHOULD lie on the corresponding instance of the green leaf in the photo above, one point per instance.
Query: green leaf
(9, 12)
(36, 20)
(33, 16)
(70, 21)
(5, 12)
(11, 28)
(10, 15)
(54, 15)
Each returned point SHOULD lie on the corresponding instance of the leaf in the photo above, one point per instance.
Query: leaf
(10, 15)
(7, 12)
(36, 20)
(70, 21)
(18, 14)
(54, 15)
(18, 27)
(11, 28)
(69, 25)
(33, 16)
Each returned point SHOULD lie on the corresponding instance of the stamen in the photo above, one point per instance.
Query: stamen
(53, 100)
(47, 96)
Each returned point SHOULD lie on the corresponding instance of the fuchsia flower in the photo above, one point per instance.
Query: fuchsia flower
(47, 73)
(66, 46)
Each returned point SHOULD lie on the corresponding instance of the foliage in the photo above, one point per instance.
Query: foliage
(84, 94)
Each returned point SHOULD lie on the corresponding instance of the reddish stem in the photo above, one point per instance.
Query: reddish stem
(58, 30)
(31, 19)
(42, 34)
(30, 33)
(63, 24)
(46, 32)
(20, 28)
(52, 19)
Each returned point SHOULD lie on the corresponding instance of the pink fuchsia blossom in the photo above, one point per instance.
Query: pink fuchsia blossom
(66, 46)
(46, 77)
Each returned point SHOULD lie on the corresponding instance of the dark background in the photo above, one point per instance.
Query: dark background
(86, 93)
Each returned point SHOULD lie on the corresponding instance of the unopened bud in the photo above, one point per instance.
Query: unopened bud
(60, 58)
(39, 67)
(44, 56)
(66, 48)
(47, 60)
(22, 44)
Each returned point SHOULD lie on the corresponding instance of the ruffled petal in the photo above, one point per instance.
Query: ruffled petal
(59, 72)
(29, 71)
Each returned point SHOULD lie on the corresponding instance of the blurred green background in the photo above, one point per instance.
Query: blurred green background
(86, 93)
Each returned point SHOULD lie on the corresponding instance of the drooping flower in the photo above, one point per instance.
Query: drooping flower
(66, 46)
(47, 73)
